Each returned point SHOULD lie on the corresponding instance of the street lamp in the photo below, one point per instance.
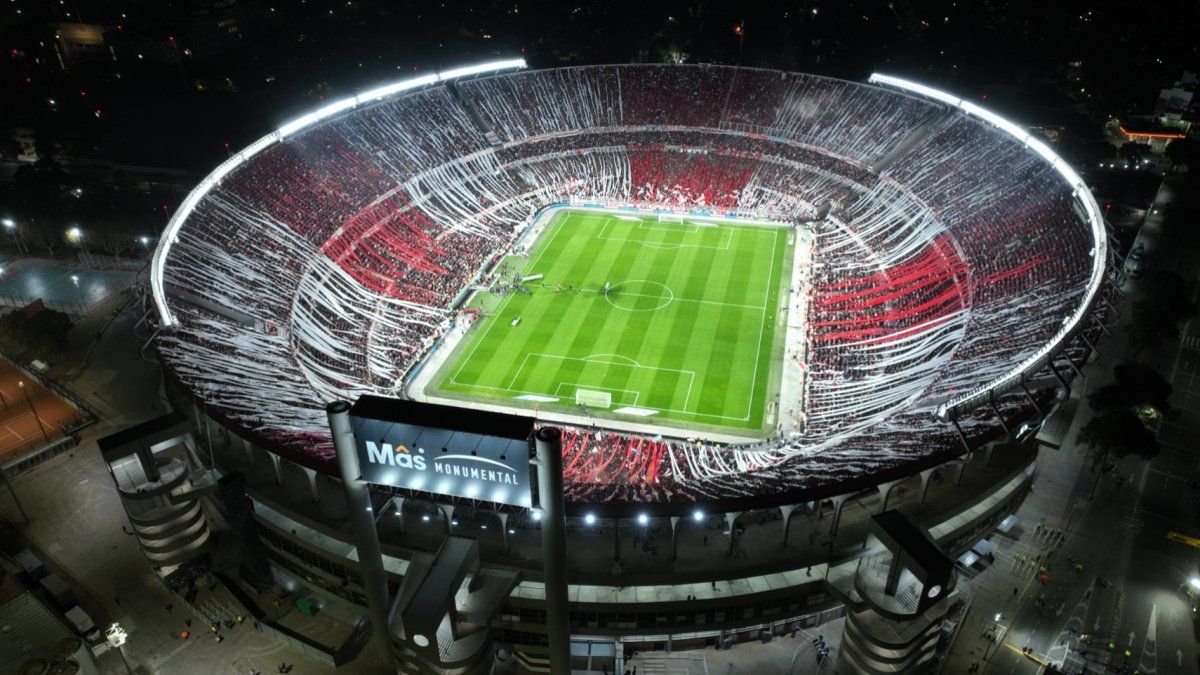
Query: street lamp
(996, 632)
(32, 409)
(117, 637)
(79, 291)
(11, 226)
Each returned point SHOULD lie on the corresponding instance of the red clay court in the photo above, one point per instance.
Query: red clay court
(19, 429)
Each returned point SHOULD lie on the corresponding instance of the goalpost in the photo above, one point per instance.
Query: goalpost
(670, 218)
(593, 399)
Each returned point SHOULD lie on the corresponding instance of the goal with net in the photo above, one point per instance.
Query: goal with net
(670, 218)
(593, 399)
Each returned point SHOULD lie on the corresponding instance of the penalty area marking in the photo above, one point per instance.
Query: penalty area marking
(690, 373)
(597, 358)
(603, 235)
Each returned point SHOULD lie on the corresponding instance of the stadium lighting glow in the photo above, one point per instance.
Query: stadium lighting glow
(425, 517)
(171, 233)
(1080, 191)
(643, 519)
(9, 223)
(1195, 583)
(590, 519)
(537, 515)
(697, 515)
(915, 87)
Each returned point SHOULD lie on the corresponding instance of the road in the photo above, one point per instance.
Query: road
(1121, 534)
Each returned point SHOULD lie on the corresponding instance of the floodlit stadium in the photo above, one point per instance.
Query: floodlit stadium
(729, 286)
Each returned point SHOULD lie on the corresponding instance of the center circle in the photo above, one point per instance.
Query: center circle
(639, 295)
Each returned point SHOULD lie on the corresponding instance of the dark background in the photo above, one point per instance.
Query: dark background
(162, 94)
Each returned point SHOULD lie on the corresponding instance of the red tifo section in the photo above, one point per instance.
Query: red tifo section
(893, 303)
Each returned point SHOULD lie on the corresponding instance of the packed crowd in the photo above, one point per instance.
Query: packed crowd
(353, 240)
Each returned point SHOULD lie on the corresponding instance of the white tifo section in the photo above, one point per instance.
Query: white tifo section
(1081, 192)
(171, 233)
(794, 314)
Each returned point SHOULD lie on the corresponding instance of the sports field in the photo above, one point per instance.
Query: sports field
(20, 430)
(685, 335)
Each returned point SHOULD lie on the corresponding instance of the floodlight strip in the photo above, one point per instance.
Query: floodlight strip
(171, 233)
(1080, 191)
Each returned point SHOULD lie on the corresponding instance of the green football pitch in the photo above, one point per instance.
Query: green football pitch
(685, 336)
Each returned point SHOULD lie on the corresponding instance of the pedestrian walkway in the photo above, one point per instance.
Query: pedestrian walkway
(1044, 523)
(793, 653)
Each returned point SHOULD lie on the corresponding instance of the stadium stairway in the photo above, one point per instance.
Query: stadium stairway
(468, 106)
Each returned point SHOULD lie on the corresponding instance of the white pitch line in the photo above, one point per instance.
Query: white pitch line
(761, 326)
(676, 297)
(516, 374)
(691, 384)
(504, 305)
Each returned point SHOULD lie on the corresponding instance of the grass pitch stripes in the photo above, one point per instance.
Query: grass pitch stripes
(688, 329)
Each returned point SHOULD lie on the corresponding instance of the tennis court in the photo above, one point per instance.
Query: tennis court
(20, 430)
(65, 289)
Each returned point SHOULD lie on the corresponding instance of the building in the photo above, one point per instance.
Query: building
(672, 542)
(161, 482)
(35, 637)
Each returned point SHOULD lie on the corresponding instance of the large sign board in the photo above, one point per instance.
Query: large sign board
(443, 450)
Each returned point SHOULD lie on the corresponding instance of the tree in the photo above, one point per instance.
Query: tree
(1158, 314)
(10, 149)
(1184, 151)
(1118, 433)
(1135, 387)
(45, 234)
(1132, 152)
(39, 335)
(1125, 408)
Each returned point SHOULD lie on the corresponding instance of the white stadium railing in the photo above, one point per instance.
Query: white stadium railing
(1099, 252)
(170, 234)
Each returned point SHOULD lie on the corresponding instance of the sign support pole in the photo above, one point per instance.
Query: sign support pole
(548, 446)
(362, 522)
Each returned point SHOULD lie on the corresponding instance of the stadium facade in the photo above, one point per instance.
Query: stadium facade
(957, 283)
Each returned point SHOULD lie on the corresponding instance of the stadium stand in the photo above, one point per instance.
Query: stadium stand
(349, 244)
